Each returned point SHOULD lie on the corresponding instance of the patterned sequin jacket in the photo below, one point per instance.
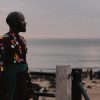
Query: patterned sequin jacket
(12, 50)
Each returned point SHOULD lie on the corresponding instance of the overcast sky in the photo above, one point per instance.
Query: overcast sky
(55, 18)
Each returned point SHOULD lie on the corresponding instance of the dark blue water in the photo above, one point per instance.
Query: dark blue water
(75, 52)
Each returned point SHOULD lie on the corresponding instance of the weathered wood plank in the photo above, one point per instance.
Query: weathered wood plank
(63, 82)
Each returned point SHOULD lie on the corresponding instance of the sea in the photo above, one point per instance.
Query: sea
(49, 53)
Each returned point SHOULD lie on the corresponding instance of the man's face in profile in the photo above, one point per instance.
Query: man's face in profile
(20, 23)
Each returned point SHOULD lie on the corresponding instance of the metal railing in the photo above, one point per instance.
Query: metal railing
(83, 91)
(77, 87)
(42, 92)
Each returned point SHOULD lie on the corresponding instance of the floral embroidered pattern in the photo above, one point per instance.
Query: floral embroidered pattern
(12, 49)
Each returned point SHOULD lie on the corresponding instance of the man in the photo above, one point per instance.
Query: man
(13, 62)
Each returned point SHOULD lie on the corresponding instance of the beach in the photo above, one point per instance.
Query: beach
(92, 88)
(79, 53)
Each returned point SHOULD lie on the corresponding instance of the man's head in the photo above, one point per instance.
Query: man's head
(16, 21)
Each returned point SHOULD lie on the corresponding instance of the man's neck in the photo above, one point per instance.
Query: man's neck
(13, 31)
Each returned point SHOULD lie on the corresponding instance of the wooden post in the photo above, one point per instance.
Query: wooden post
(76, 93)
(63, 82)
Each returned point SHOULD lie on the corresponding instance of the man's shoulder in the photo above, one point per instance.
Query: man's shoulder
(3, 38)
(5, 35)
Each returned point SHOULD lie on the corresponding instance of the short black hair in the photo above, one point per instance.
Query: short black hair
(12, 18)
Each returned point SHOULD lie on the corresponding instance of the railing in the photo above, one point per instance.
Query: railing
(83, 91)
(43, 73)
(43, 94)
(77, 87)
(62, 75)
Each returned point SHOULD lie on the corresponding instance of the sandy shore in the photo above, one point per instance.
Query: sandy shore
(92, 88)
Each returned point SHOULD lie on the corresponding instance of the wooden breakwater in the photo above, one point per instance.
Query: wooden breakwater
(68, 84)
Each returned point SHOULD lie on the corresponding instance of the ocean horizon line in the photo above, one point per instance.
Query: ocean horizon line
(63, 39)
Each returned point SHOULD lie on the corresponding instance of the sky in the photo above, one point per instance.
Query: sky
(55, 18)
